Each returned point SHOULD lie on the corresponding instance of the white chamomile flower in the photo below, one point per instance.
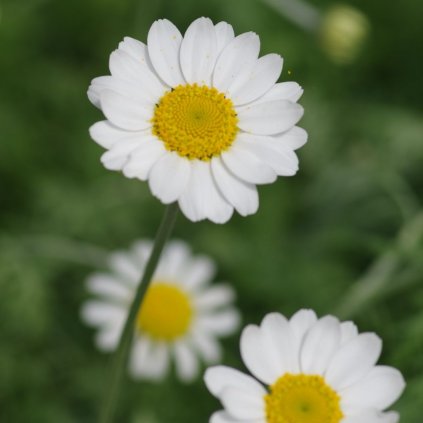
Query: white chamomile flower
(201, 117)
(315, 371)
(180, 319)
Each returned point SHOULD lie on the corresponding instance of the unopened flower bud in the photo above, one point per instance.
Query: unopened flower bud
(343, 32)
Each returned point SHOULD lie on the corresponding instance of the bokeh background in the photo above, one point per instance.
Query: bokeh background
(344, 236)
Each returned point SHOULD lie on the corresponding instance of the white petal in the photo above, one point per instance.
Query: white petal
(108, 286)
(390, 417)
(373, 416)
(96, 87)
(198, 52)
(186, 362)
(269, 118)
(130, 89)
(293, 139)
(121, 150)
(99, 313)
(224, 35)
(283, 91)
(348, 332)
(139, 51)
(124, 112)
(114, 163)
(239, 54)
(354, 360)
(216, 296)
(283, 161)
(220, 377)
(255, 82)
(106, 134)
(136, 49)
(123, 66)
(201, 198)
(255, 353)
(199, 272)
(207, 346)
(220, 323)
(243, 404)
(125, 267)
(281, 343)
(223, 417)
(379, 389)
(274, 143)
(134, 86)
(141, 250)
(175, 259)
(247, 166)
(301, 322)
(164, 42)
(169, 177)
(144, 83)
(242, 195)
(108, 337)
(149, 359)
(320, 344)
(143, 158)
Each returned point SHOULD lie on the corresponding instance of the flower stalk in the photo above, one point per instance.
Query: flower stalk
(121, 355)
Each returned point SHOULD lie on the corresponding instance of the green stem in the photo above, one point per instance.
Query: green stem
(121, 355)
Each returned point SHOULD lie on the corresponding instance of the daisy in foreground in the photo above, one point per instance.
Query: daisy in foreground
(316, 371)
(181, 316)
(201, 117)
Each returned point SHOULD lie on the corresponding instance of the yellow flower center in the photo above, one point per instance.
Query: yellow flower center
(195, 122)
(302, 399)
(166, 312)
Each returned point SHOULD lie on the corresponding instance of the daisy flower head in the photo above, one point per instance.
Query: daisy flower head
(314, 371)
(200, 117)
(181, 317)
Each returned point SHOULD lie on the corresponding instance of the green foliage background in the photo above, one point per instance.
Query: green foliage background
(344, 235)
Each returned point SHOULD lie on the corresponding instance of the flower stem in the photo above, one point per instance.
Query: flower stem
(121, 355)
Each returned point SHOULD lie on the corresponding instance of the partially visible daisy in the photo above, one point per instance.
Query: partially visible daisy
(180, 319)
(201, 117)
(315, 371)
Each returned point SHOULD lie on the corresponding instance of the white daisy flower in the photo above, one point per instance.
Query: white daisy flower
(201, 117)
(315, 371)
(181, 317)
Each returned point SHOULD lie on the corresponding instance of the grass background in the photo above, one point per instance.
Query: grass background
(344, 235)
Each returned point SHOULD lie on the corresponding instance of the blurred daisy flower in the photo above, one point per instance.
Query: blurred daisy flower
(201, 117)
(315, 370)
(181, 316)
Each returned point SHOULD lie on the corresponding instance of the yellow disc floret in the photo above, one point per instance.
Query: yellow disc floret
(197, 122)
(166, 312)
(302, 399)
